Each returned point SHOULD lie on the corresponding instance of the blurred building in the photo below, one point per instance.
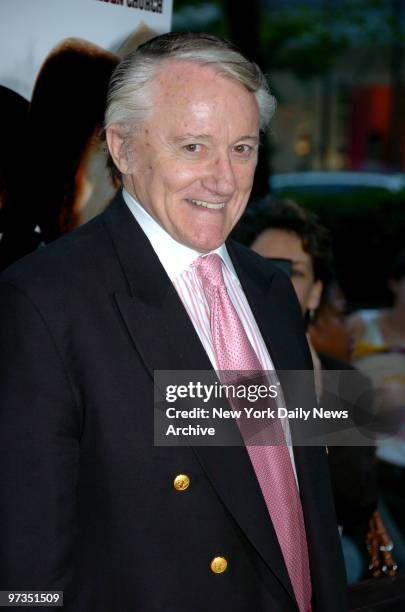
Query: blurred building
(348, 117)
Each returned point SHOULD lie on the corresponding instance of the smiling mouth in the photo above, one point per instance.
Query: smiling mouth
(204, 204)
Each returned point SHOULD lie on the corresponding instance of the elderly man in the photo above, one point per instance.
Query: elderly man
(88, 504)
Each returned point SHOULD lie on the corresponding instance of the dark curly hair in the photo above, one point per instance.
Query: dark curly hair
(289, 216)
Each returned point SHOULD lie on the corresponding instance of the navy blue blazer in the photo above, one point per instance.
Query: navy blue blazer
(87, 503)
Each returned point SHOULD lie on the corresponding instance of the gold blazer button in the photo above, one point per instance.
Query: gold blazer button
(219, 565)
(181, 482)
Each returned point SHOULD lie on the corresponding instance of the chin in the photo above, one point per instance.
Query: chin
(210, 241)
(205, 246)
(204, 243)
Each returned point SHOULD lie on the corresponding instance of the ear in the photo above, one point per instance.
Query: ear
(118, 148)
(314, 297)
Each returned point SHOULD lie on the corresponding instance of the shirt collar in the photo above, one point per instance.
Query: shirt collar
(174, 256)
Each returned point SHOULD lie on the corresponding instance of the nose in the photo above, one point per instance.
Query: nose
(220, 178)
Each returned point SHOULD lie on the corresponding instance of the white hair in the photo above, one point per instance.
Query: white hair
(129, 99)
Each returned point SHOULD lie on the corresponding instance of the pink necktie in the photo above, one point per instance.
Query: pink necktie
(272, 464)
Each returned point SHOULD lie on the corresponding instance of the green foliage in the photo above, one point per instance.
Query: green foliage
(200, 16)
(308, 40)
(304, 40)
(300, 41)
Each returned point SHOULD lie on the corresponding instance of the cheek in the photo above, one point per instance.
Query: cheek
(175, 178)
(244, 176)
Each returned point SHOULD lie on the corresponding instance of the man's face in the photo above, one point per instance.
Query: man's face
(194, 158)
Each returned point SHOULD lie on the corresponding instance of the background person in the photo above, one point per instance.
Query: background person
(328, 329)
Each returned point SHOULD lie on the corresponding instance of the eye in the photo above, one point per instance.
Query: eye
(192, 148)
(243, 150)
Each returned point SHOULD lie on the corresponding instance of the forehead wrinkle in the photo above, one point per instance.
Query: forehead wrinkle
(188, 136)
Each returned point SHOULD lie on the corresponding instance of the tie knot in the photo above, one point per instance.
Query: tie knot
(209, 269)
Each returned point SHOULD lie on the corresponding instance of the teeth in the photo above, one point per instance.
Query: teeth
(208, 204)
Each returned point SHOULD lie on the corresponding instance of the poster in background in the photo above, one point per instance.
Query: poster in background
(56, 59)
(29, 29)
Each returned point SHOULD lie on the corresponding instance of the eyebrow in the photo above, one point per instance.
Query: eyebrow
(249, 137)
(189, 136)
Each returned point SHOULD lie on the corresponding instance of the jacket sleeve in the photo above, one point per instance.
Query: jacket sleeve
(39, 448)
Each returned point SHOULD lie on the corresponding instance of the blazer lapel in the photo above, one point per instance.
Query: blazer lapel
(155, 317)
(165, 339)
